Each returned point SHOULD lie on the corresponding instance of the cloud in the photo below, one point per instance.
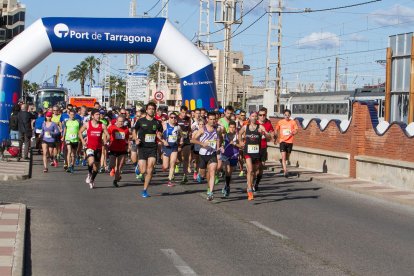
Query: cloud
(397, 14)
(357, 38)
(321, 40)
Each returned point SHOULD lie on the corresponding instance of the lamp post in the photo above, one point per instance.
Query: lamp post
(116, 91)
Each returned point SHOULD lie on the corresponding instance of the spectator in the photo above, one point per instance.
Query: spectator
(14, 123)
(25, 120)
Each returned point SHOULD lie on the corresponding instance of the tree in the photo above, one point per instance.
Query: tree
(119, 85)
(153, 74)
(79, 73)
(93, 65)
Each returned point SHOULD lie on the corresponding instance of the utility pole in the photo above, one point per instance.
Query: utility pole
(204, 25)
(226, 12)
(105, 68)
(279, 59)
(131, 60)
(270, 43)
(162, 68)
(337, 82)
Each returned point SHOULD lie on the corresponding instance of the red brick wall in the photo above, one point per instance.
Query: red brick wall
(359, 139)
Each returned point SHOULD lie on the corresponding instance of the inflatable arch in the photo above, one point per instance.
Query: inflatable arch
(155, 36)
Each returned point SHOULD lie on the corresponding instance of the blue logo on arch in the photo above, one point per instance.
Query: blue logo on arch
(2, 96)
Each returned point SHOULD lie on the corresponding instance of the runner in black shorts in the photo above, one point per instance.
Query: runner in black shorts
(146, 131)
(185, 155)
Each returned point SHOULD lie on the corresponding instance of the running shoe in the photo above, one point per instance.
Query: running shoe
(88, 178)
(45, 170)
(55, 163)
(170, 183)
(92, 184)
(72, 169)
(141, 177)
(145, 194)
(101, 169)
(137, 170)
(68, 170)
(199, 179)
(216, 180)
(241, 174)
(210, 196)
(84, 163)
(65, 167)
(225, 191)
(250, 195)
(177, 169)
(112, 173)
(185, 180)
(115, 183)
(195, 176)
(77, 161)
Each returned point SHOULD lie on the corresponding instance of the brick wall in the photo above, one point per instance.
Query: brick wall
(359, 139)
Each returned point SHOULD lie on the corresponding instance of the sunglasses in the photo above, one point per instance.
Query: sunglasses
(261, 115)
(173, 117)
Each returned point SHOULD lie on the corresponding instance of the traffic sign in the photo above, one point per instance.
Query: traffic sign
(159, 96)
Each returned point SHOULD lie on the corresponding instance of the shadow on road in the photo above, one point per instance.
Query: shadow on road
(28, 246)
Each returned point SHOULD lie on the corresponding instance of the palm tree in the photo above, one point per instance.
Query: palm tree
(79, 73)
(117, 83)
(93, 65)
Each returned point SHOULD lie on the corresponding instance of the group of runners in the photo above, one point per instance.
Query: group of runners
(207, 145)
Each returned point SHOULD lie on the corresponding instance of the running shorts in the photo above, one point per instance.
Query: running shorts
(94, 153)
(145, 153)
(286, 147)
(205, 160)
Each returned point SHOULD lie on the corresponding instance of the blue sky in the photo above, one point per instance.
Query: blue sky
(311, 41)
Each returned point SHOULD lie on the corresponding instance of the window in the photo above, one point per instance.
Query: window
(171, 102)
(173, 91)
(236, 60)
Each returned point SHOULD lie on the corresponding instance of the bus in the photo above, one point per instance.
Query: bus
(49, 96)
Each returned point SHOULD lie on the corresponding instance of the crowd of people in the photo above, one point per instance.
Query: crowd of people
(203, 145)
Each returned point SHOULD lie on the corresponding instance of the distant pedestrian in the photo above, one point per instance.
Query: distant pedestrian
(25, 121)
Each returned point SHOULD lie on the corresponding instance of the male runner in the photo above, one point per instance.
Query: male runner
(209, 140)
(97, 133)
(146, 131)
(286, 128)
(251, 136)
(70, 134)
(185, 154)
(240, 122)
(263, 121)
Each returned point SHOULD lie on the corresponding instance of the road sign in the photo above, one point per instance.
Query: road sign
(159, 96)
(137, 87)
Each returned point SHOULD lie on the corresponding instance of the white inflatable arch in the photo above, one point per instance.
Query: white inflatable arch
(155, 36)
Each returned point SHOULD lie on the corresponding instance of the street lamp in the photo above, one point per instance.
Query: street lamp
(116, 91)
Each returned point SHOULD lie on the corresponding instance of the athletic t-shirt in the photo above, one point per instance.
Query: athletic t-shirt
(185, 125)
(118, 138)
(147, 132)
(269, 128)
(72, 129)
(285, 128)
(224, 123)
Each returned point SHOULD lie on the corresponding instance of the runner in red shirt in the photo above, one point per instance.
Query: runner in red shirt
(118, 147)
(96, 134)
(263, 121)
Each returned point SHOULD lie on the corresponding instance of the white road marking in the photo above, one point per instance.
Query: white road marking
(179, 263)
(270, 230)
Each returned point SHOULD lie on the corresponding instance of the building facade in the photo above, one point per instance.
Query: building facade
(13, 15)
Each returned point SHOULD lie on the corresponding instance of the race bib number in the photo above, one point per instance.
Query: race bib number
(120, 135)
(72, 136)
(185, 134)
(212, 144)
(286, 132)
(172, 138)
(48, 135)
(90, 152)
(253, 149)
(149, 138)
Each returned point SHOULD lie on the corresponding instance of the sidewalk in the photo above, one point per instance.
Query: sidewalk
(14, 170)
(12, 235)
(389, 193)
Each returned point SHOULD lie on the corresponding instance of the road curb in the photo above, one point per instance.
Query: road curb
(14, 171)
(368, 192)
(18, 258)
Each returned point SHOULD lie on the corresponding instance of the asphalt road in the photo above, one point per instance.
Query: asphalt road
(294, 227)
